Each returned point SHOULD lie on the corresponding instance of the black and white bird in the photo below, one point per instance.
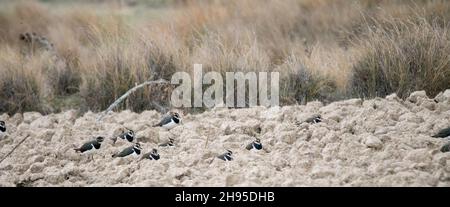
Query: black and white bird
(443, 133)
(128, 135)
(254, 145)
(226, 156)
(169, 121)
(314, 119)
(2, 129)
(446, 147)
(168, 143)
(153, 155)
(90, 146)
(134, 150)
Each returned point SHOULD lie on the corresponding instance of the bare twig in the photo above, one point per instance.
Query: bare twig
(124, 96)
(14, 148)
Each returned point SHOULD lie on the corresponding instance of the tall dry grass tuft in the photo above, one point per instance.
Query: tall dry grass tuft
(402, 57)
(20, 85)
(85, 55)
(301, 84)
(119, 62)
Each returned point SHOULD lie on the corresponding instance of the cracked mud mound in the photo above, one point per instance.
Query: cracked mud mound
(378, 142)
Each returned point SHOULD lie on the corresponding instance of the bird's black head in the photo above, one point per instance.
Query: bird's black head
(318, 118)
(229, 152)
(2, 126)
(176, 115)
(257, 140)
(100, 139)
(154, 151)
(258, 130)
(130, 133)
(137, 146)
(171, 140)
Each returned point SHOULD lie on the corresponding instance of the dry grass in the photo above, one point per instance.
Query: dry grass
(403, 57)
(325, 49)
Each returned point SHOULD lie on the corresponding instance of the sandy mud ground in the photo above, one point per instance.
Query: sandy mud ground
(379, 142)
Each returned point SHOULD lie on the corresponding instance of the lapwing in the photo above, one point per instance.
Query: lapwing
(169, 121)
(2, 129)
(134, 150)
(446, 147)
(226, 156)
(90, 146)
(443, 133)
(254, 145)
(127, 135)
(153, 155)
(168, 143)
(314, 119)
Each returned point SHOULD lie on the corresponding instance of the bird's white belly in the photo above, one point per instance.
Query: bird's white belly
(134, 154)
(91, 151)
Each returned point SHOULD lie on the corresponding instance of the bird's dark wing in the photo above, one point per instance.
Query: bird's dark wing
(249, 146)
(258, 146)
(165, 120)
(165, 144)
(222, 157)
(310, 120)
(85, 147)
(446, 148)
(147, 156)
(127, 151)
(443, 133)
(314, 119)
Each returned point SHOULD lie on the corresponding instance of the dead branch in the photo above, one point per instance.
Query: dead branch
(14, 148)
(124, 96)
